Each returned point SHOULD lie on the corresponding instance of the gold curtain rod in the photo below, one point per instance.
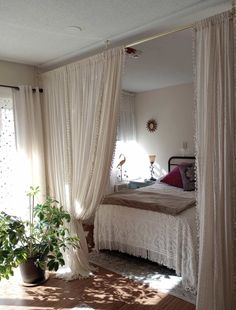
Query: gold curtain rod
(163, 34)
(159, 35)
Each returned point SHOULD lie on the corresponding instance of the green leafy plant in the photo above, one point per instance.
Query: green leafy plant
(44, 237)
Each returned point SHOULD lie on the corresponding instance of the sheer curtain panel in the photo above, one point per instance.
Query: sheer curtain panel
(7, 152)
(30, 168)
(126, 142)
(59, 161)
(215, 143)
(126, 124)
(81, 113)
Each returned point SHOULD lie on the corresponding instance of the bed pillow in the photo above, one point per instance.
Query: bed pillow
(173, 178)
(187, 172)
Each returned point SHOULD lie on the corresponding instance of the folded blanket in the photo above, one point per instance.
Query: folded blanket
(149, 200)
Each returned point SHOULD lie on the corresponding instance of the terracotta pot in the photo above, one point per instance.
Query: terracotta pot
(31, 274)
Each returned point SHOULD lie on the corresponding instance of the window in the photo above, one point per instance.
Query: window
(126, 146)
(7, 150)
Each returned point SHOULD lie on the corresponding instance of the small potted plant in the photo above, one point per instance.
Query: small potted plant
(37, 244)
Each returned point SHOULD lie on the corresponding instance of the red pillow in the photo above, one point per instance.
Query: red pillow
(173, 178)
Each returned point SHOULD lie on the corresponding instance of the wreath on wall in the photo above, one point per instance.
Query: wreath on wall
(151, 125)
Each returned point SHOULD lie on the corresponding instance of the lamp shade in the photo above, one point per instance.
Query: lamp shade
(152, 158)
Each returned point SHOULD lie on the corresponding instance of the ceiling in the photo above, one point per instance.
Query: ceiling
(36, 32)
(165, 61)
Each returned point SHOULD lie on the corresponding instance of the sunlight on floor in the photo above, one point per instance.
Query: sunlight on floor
(105, 289)
(156, 277)
(163, 283)
(82, 306)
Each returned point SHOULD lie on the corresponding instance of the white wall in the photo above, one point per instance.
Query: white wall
(17, 74)
(172, 107)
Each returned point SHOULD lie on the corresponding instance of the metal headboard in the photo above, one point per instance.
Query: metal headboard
(176, 160)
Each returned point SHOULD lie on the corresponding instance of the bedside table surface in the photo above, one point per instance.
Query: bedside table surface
(121, 185)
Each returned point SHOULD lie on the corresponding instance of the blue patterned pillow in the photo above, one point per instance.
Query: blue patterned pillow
(187, 172)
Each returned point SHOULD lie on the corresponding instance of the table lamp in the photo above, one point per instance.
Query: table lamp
(152, 160)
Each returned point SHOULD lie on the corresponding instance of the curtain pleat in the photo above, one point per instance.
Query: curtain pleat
(126, 126)
(81, 113)
(30, 166)
(215, 145)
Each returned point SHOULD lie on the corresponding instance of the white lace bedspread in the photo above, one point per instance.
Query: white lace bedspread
(162, 238)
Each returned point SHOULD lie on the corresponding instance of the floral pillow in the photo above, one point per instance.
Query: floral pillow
(187, 172)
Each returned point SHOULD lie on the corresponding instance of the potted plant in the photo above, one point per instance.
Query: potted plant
(37, 244)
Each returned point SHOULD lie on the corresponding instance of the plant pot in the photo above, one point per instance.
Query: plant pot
(32, 275)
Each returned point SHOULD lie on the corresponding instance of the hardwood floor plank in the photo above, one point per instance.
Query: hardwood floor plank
(106, 290)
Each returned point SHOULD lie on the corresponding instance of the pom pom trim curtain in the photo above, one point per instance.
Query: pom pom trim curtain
(81, 105)
(215, 144)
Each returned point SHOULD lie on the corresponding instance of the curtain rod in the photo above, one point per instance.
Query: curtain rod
(163, 34)
(159, 35)
(18, 88)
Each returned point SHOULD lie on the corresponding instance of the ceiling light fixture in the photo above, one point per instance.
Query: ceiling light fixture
(74, 29)
(132, 52)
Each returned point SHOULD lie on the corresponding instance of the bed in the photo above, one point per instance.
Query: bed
(168, 239)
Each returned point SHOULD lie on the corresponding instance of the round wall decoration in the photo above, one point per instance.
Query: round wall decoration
(151, 125)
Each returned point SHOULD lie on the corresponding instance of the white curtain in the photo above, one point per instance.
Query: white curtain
(81, 113)
(30, 168)
(126, 125)
(215, 143)
(7, 152)
(126, 146)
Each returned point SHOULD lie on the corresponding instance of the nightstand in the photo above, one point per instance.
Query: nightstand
(121, 185)
(140, 183)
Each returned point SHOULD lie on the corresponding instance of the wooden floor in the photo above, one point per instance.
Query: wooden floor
(106, 290)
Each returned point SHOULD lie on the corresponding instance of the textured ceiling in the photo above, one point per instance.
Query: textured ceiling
(35, 32)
